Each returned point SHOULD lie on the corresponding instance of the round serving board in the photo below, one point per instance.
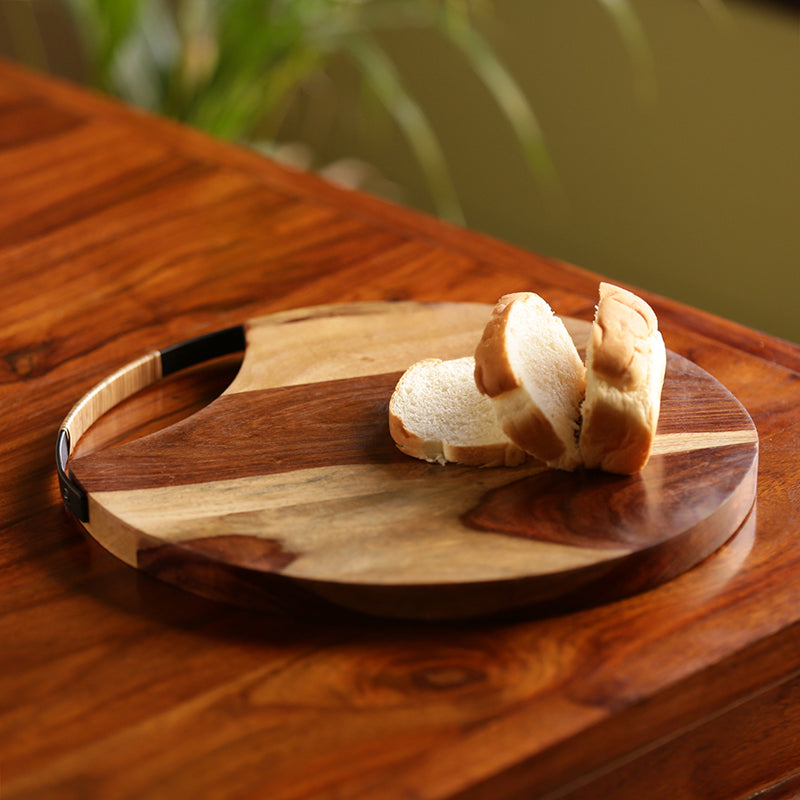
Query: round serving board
(287, 488)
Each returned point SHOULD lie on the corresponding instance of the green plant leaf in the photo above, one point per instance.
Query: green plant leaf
(105, 25)
(504, 89)
(635, 41)
(381, 75)
(228, 66)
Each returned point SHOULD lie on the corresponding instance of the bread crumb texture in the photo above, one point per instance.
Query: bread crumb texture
(437, 413)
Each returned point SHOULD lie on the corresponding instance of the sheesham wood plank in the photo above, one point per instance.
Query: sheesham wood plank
(302, 731)
(35, 218)
(141, 267)
(654, 718)
(767, 728)
(27, 160)
(122, 241)
(785, 789)
(25, 121)
(198, 195)
(682, 757)
(399, 652)
(251, 233)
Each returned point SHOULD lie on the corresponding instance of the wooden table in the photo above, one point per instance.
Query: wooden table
(120, 233)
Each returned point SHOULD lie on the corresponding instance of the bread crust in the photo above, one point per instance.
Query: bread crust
(621, 336)
(528, 428)
(617, 440)
(436, 451)
(626, 361)
(520, 417)
(494, 374)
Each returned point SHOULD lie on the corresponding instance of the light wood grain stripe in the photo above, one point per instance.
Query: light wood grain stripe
(683, 442)
(356, 523)
(356, 340)
(109, 392)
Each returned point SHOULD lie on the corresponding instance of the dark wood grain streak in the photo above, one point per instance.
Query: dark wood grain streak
(249, 575)
(161, 405)
(256, 433)
(697, 404)
(24, 122)
(596, 510)
(113, 684)
(334, 422)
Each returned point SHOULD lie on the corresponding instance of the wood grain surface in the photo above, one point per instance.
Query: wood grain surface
(292, 472)
(121, 233)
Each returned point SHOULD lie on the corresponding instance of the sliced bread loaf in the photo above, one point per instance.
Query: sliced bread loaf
(437, 414)
(625, 365)
(527, 363)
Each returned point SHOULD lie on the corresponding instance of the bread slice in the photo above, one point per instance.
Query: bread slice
(625, 365)
(437, 414)
(527, 363)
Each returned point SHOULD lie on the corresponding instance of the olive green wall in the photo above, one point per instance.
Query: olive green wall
(679, 165)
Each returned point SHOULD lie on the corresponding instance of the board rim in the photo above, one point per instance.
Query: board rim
(327, 584)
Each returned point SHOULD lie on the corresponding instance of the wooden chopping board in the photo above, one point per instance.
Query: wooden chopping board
(288, 488)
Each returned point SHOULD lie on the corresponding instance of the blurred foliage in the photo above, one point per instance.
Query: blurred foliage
(230, 67)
